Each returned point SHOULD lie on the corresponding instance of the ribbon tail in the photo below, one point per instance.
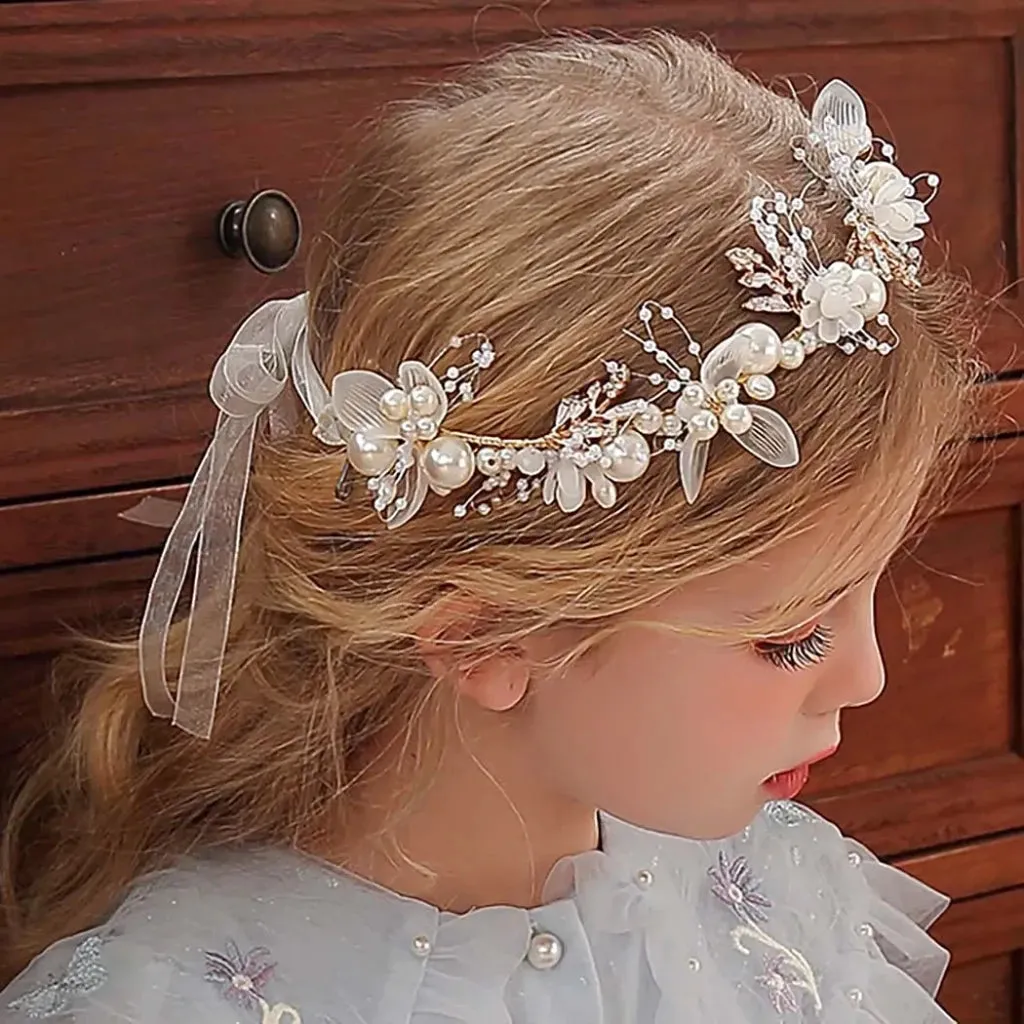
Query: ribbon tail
(165, 592)
(214, 589)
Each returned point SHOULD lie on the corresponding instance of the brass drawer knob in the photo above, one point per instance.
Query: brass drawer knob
(265, 228)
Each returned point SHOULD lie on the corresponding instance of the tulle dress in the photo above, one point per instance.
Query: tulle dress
(787, 921)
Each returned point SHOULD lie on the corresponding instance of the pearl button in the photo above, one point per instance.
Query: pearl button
(545, 951)
(421, 946)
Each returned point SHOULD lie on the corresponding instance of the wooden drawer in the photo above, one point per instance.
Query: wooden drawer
(128, 125)
(983, 929)
(936, 759)
(120, 299)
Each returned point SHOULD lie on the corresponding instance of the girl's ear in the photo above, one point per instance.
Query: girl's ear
(452, 640)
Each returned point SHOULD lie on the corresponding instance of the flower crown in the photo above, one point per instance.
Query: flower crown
(393, 432)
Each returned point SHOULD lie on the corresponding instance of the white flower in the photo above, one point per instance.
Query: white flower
(754, 349)
(566, 482)
(623, 458)
(889, 200)
(388, 430)
(838, 301)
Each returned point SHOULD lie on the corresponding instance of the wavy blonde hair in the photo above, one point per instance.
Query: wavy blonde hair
(539, 199)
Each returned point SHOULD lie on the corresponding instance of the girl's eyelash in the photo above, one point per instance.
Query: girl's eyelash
(797, 654)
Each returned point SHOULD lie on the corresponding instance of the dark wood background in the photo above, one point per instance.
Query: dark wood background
(127, 124)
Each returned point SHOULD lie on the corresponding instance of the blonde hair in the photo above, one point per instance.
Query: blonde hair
(539, 199)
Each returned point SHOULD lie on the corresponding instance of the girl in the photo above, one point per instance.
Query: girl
(618, 382)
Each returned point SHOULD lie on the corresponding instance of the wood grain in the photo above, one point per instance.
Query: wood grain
(72, 41)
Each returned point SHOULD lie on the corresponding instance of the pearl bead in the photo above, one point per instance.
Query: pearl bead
(488, 462)
(727, 390)
(408, 430)
(704, 425)
(874, 288)
(507, 458)
(423, 400)
(792, 355)
(760, 348)
(545, 951)
(421, 946)
(650, 420)
(855, 996)
(854, 858)
(530, 461)
(760, 387)
(690, 400)
(448, 463)
(371, 455)
(630, 455)
(645, 878)
(865, 931)
(394, 405)
(693, 964)
(426, 428)
(672, 425)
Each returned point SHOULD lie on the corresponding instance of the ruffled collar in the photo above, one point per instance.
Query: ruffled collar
(788, 920)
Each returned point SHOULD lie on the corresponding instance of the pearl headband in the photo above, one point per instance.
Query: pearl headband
(392, 432)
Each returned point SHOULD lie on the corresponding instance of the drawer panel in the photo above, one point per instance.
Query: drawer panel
(936, 759)
(983, 929)
(121, 299)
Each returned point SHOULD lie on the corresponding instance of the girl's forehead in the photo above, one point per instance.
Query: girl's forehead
(798, 577)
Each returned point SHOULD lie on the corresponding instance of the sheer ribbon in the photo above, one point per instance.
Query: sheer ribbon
(248, 379)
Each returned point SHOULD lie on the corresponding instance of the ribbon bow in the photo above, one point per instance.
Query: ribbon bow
(248, 379)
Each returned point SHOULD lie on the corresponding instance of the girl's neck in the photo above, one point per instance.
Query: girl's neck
(484, 830)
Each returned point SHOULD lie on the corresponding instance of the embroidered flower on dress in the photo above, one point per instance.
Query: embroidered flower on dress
(242, 977)
(83, 975)
(735, 885)
(780, 979)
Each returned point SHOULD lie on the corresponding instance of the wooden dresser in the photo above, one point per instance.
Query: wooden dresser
(126, 125)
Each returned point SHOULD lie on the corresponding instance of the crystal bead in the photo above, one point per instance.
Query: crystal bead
(421, 946)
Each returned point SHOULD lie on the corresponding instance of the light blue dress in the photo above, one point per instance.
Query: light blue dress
(788, 921)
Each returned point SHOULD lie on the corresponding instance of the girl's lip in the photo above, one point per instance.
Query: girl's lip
(807, 764)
